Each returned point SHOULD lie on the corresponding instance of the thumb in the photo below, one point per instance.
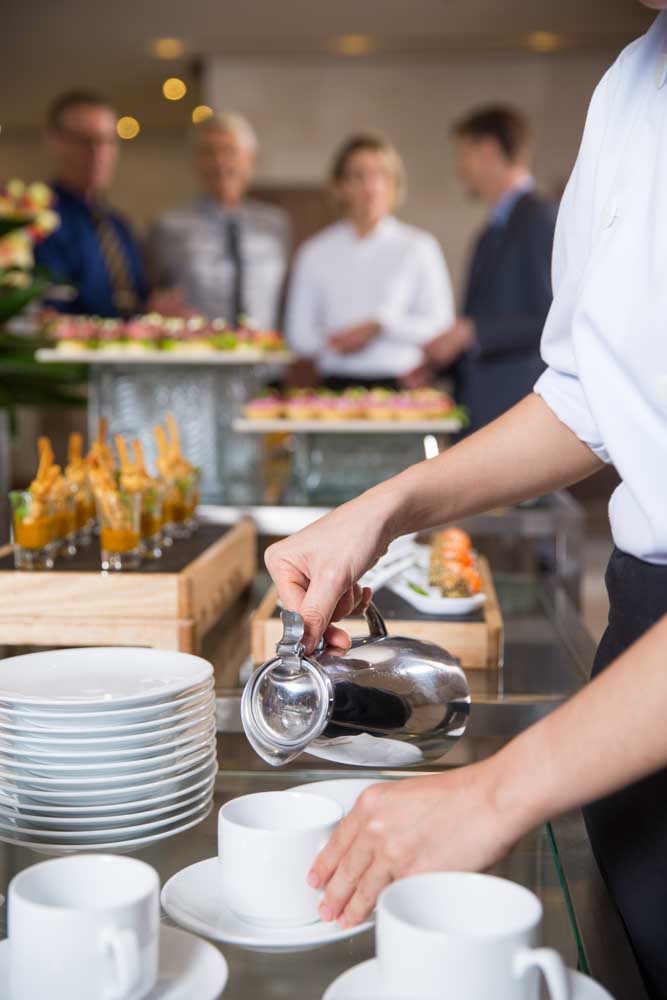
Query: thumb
(317, 610)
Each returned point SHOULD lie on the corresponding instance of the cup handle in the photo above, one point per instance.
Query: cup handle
(123, 948)
(551, 965)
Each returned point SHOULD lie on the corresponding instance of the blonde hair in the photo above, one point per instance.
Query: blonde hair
(374, 143)
(230, 121)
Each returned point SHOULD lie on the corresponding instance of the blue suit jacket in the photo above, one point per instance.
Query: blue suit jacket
(508, 297)
(72, 254)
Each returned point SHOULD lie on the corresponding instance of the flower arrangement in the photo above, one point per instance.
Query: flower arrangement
(26, 217)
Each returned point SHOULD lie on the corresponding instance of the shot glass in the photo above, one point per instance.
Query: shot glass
(84, 504)
(191, 520)
(183, 503)
(152, 502)
(65, 513)
(33, 531)
(119, 516)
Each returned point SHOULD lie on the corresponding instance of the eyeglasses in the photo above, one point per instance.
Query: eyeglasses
(88, 141)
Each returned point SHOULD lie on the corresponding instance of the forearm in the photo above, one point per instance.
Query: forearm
(608, 736)
(525, 453)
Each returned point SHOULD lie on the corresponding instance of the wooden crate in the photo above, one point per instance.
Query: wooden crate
(477, 639)
(168, 604)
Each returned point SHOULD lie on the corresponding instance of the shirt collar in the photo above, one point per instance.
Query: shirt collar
(385, 227)
(502, 209)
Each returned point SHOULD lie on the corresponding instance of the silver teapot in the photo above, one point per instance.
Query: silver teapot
(387, 701)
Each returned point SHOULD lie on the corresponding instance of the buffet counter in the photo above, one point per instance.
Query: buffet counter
(547, 657)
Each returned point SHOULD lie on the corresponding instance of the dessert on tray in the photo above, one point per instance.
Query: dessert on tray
(355, 404)
(452, 564)
(155, 332)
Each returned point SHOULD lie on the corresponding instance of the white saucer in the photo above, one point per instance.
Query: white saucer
(362, 982)
(119, 846)
(193, 898)
(344, 791)
(189, 967)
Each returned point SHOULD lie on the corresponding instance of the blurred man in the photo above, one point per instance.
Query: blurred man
(494, 347)
(227, 254)
(94, 248)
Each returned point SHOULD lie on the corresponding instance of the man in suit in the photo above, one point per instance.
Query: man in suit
(94, 248)
(493, 349)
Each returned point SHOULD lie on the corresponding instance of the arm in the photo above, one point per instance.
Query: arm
(431, 307)
(526, 452)
(467, 819)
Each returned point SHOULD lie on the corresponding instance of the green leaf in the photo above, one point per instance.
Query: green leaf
(417, 589)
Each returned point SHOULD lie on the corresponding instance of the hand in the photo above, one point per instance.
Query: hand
(450, 345)
(353, 338)
(398, 828)
(418, 378)
(316, 571)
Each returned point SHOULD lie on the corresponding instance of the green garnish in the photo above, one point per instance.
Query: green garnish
(417, 589)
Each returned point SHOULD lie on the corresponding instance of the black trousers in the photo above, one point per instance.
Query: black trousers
(628, 830)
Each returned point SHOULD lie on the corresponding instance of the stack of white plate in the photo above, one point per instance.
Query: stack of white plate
(104, 748)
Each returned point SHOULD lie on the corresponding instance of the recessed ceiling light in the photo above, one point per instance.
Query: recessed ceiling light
(543, 41)
(167, 48)
(201, 113)
(353, 45)
(174, 88)
(128, 127)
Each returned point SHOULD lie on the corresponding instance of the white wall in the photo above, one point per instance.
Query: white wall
(303, 107)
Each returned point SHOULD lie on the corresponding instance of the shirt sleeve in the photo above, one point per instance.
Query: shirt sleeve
(431, 309)
(560, 386)
(304, 327)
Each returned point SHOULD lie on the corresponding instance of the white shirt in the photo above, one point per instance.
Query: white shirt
(605, 339)
(188, 248)
(396, 275)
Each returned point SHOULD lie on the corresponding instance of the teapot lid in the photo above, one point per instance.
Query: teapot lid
(286, 703)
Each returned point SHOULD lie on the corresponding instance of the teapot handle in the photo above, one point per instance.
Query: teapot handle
(376, 626)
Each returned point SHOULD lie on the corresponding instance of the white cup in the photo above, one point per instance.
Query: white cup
(267, 843)
(457, 934)
(84, 927)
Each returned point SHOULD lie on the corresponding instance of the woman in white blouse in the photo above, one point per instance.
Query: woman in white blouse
(368, 291)
(602, 398)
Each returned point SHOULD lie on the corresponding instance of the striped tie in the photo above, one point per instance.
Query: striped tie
(124, 291)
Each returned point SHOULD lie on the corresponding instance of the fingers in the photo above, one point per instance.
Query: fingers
(362, 902)
(346, 879)
(318, 607)
(328, 859)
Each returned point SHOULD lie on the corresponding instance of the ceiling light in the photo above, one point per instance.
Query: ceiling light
(543, 41)
(167, 48)
(201, 113)
(353, 45)
(128, 127)
(174, 89)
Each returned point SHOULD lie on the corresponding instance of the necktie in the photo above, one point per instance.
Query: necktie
(124, 291)
(233, 234)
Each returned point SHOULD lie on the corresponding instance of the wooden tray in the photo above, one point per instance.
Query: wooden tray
(169, 604)
(476, 639)
(445, 425)
(50, 355)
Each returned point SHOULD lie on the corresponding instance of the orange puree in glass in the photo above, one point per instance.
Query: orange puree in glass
(150, 524)
(33, 534)
(118, 540)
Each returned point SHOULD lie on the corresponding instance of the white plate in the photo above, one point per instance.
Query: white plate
(434, 604)
(84, 837)
(26, 779)
(363, 982)
(122, 846)
(12, 803)
(188, 967)
(62, 770)
(344, 791)
(113, 719)
(118, 736)
(100, 677)
(193, 898)
(109, 820)
(140, 792)
(69, 752)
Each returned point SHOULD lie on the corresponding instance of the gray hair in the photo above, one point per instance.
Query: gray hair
(230, 121)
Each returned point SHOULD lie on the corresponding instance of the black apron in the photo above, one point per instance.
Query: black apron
(628, 830)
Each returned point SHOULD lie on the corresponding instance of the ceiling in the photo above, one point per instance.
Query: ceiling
(49, 45)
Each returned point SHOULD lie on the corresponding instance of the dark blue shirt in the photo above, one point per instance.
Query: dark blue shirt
(73, 255)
